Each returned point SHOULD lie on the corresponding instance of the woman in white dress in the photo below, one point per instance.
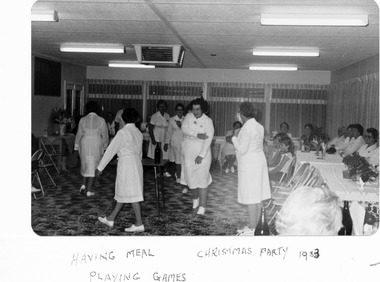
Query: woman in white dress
(198, 131)
(127, 144)
(370, 150)
(174, 139)
(253, 179)
(158, 127)
(91, 140)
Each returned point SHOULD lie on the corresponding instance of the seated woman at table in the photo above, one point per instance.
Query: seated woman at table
(276, 155)
(307, 137)
(370, 150)
(228, 155)
(277, 169)
(127, 144)
(284, 128)
(310, 211)
(91, 140)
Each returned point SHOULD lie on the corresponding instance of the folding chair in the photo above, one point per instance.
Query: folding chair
(50, 154)
(35, 167)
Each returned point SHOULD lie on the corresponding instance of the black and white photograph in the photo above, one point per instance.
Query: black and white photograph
(200, 133)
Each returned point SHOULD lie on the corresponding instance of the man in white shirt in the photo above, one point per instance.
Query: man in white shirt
(356, 132)
(338, 140)
(370, 150)
(347, 142)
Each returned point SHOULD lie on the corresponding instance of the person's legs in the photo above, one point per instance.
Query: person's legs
(137, 210)
(115, 211)
(90, 183)
(178, 170)
(253, 214)
(195, 196)
(203, 193)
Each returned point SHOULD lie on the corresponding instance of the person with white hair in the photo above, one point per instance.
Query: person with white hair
(310, 211)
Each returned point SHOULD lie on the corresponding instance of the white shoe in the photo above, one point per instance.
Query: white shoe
(167, 174)
(201, 210)
(195, 203)
(82, 189)
(135, 228)
(232, 169)
(34, 190)
(247, 232)
(178, 180)
(185, 190)
(105, 221)
(227, 170)
(90, 194)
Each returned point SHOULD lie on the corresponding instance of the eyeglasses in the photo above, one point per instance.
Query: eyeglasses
(367, 136)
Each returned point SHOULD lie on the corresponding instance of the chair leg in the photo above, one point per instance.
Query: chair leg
(51, 159)
(50, 176)
(37, 175)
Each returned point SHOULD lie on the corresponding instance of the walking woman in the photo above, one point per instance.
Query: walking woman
(129, 176)
(198, 132)
(91, 140)
(253, 179)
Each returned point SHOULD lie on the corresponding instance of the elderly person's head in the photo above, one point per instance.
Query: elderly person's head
(341, 130)
(277, 138)
(371, 136)
(309, 128)
(284, 127)
(247, 111)
(310, 211)
(130, 115)
(92, 107)
(199, 106)
(161, 106)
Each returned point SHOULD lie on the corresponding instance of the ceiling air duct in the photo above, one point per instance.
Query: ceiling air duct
(160, 55)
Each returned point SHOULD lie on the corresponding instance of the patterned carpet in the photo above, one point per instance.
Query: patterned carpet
(65, 212)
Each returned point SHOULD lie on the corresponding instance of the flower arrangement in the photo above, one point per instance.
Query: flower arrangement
(359, 167)
(61, 116)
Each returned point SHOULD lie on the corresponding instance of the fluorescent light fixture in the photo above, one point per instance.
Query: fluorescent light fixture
(92, 48)
(274, 67)
(44, 16)
(282, 51)
(314, 19)
(129, 64)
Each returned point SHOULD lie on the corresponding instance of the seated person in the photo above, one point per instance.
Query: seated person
(307, 137)
(277, 170)
(370, 150)
(356, 131)
(284, 128)
(276, 156)
(338, 140)
(310, 211)
(348, 141)
(228, 155)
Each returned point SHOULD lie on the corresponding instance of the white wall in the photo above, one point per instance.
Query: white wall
(210, 75)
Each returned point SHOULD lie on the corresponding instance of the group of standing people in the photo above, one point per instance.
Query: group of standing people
(187, 141)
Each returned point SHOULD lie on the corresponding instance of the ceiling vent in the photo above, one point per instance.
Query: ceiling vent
(160, 55)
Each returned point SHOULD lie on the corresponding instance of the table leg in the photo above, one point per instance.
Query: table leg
(156, 186)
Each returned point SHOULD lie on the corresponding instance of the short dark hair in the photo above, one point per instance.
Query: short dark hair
(159, 102)
(374, 132)
(309, 125)
(358, 127)
(288, 142)
(284, 123)
(92, 107)
(281, 135)
(179, 105)
(130, 115)
(248, 110)
(202, 103)
(237, 122)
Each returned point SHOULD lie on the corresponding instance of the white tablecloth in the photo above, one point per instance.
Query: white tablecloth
(314, 160)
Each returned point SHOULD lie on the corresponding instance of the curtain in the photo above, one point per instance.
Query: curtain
(298, 105)
(172, 92)
(225, 99)
(354, 101)
(113, 94)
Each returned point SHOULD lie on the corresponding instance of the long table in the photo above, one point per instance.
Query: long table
(330, 169)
